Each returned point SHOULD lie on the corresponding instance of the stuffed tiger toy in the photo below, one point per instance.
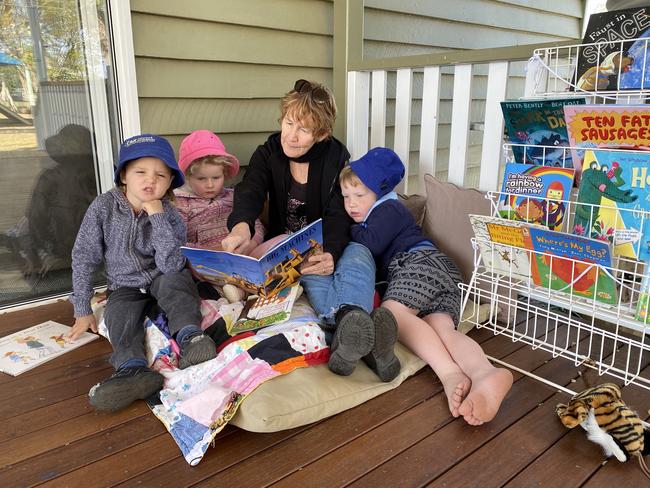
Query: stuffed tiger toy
(608, 421)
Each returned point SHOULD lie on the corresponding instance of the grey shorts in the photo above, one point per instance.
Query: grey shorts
(425, 280)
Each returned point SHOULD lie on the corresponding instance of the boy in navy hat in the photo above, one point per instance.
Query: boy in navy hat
(422, 291)
(137, 233)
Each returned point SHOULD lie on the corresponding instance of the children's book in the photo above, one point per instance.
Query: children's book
(535, 194)
(503, 245)
(613, 201)
(262, 311)
(606, 126)
(539, 124)
(611, 64)
(572, 264)
(24, 350)
(266, 276)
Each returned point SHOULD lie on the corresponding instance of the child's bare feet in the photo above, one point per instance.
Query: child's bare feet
(485, 397)
(456, 386)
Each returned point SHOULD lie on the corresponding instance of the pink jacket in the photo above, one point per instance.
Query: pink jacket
(206, 218)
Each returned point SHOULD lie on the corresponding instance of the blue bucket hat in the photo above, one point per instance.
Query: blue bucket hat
(380, 169)
(149, 146)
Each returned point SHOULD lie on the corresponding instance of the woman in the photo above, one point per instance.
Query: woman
(298, 168)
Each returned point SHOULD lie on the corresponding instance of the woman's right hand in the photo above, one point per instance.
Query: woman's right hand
(239, 239)
(81, 325)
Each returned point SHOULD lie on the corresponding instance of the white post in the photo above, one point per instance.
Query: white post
(429, 124)
(403, 101)
(378, 109)
(357, 116)
(462, 100)
(493, 126)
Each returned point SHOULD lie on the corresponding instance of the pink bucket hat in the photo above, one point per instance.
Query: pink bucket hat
(201, 143)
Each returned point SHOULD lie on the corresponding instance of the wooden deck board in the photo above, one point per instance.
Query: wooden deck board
(405, 437)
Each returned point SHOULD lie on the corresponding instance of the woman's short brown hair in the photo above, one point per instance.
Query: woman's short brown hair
(312, 103)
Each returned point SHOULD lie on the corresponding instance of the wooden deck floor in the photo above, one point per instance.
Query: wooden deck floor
(403, 438)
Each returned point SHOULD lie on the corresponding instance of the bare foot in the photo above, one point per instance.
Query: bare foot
(456, 387)
(485, 397)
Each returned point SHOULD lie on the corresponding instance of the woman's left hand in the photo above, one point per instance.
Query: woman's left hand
(319, 264)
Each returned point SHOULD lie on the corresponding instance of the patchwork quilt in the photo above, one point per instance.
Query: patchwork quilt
(196, 403)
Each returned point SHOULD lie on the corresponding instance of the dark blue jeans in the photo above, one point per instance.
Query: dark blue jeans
(176, 295)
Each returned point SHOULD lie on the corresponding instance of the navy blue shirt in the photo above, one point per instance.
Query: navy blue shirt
(389, 229)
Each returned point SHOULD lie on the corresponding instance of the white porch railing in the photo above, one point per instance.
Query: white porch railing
(455, 114)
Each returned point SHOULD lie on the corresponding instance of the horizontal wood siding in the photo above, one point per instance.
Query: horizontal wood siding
(224, 65)
(411, 27)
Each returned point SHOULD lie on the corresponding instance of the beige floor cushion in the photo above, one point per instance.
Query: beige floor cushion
(311, 394)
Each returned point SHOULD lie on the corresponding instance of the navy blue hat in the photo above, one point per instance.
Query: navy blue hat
(149, 146)
(380, 169)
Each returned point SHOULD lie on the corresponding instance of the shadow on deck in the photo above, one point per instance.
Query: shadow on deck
(405, 437)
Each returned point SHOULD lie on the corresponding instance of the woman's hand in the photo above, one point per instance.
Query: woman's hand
(319, 264)
(239, 239)
(81, 325)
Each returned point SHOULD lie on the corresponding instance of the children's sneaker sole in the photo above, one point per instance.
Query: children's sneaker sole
(353, 339)
(382, 359)
(117, 393)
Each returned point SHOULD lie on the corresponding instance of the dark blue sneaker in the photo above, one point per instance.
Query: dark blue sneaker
(382, 359)
(125, 387)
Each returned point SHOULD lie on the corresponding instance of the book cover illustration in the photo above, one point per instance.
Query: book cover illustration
(611, 64)
(535, 194)
(265, 276)
(606, 126)
(502, 244)
(613, 201)
(572, 264)
(26, 349)
(540, 125)
(262, 311)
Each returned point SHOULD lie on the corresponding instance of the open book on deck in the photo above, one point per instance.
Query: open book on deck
(26, 349)
(277, 269)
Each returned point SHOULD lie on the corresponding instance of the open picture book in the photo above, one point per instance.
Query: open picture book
(26, 349)
(266, 276)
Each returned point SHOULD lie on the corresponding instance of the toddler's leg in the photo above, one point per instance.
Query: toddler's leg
(132, 380)
(177, 295)
(489, 384)
(259, 251)
(420, 338)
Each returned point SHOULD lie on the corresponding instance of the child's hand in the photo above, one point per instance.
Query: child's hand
(319, 264)
(81, 325)
(238, 240)
(152, 207)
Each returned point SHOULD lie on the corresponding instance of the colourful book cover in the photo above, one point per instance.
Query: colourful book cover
(28, 348)
(614, 65)
(572, 264)
(266, 276)
(613, 201)
(502, 244)
(540, 125)
(536, 194)
(606, 126)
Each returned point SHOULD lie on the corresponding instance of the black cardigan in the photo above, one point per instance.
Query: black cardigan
(269, 173)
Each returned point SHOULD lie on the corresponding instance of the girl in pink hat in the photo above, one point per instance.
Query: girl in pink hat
(203, 202)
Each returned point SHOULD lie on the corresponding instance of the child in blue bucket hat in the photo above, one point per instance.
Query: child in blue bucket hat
(135, 231)
(422, 291)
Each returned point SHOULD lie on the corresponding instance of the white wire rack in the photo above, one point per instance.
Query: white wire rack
(583, 329)
(594, 70)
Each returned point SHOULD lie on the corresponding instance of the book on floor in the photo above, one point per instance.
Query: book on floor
(26, 349)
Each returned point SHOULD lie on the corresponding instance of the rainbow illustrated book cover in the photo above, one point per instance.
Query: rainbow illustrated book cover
(536, 194)
(606, 126)
(610, 64)
(613, 201)
(572, 264)
(540, 126)
(266, 276)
